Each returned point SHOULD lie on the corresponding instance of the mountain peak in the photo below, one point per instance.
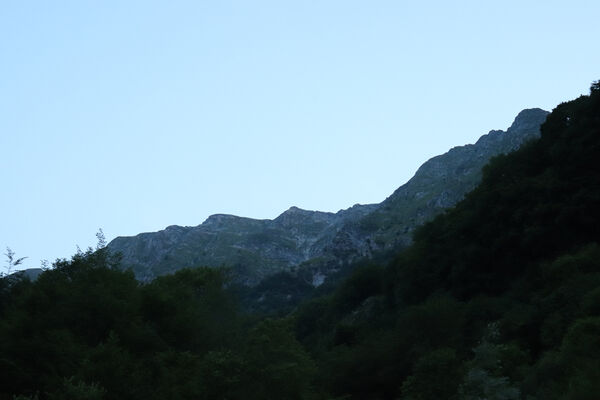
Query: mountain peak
(525, 126)
(219, 219)
(258, 248)
(529, 119)
(296, 210)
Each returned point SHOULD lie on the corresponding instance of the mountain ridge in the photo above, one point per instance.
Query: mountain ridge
(323, 241)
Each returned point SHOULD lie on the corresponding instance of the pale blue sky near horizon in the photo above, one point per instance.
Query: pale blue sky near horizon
(134, 115)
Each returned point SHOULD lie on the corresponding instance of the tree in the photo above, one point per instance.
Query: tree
(440, 366)
(11, 261)
(277, 367)
(101, 239)
(485, 378)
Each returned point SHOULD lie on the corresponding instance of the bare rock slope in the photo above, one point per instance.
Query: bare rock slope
(317, 241)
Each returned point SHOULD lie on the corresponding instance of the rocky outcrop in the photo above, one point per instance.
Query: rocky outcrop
(441, 182)
(318, 243)
(253, 248)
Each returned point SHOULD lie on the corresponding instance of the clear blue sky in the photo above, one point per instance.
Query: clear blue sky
(134, 115)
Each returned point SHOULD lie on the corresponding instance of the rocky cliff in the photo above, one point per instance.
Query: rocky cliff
(253, 248)
(320, 242)
(443, 181)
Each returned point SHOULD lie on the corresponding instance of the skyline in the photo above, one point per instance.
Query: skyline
(132, 117)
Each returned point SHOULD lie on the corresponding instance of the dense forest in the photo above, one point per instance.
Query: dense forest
(497, 298)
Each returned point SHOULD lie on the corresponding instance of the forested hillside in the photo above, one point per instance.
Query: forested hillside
(497, 298)
(86, 330)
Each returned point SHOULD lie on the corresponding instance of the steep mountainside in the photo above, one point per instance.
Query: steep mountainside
(320, 241)
(442, 181)
(498, 298)
(254, 248)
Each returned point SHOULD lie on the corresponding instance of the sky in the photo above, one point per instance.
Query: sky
(129, 116)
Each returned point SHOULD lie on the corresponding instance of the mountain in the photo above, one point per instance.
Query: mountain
(320, 243)
(497, 298)
(254, 248)
(442, 181)
(29, 273)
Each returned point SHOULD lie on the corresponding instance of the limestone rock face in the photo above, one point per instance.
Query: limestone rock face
(443, 181)
(319, 243)
(253, 248)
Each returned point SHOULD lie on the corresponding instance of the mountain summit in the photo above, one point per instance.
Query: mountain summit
(443, 180)
(322, 242)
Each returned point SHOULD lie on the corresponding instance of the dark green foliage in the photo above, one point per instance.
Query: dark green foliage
(571, 371)
(277, 365)
(531, 205)
(78, 390)
(518, 256)
(487, 372)
(498, 298)
(365, 282)
(86, 330)
(436, 376)
(277, 294)
(436, 323)
(189, 310)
